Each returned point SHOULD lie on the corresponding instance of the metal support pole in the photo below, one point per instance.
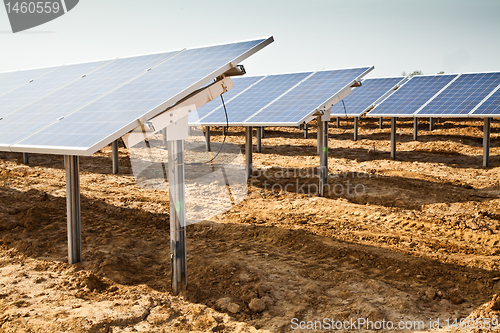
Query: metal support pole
(415, 128)
(486, 142)
(306, 131)
(248, 150)
(262, 132)
(319, 135)
(164, 135)
(177, 214)
(356, 126)
(380, 123)
(26, 159)
(207, 137)
(224, 130)
(259, 139)
(114, 149)
(431, 124)
(323, 180)
(73, 209)
(338, 122)
(393, 138)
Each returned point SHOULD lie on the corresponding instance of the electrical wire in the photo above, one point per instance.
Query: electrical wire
(223, 141)
(345, 112)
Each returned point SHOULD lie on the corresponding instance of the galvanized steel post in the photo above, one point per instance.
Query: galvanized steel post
(177, 214)
(393, 138)
(323, 181)
(486, 142)
(207, 137)
(248, 150)
(259, 139)
(73, 211)
(415, 128)
(356, 126)
(114, 149)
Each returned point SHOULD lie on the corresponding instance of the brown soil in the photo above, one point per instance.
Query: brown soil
(413, 239)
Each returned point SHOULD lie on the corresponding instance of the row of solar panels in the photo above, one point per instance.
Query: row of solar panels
(279, 100)
(78, 109)
(452, 95)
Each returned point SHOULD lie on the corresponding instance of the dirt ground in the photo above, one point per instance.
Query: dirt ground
(410, 240)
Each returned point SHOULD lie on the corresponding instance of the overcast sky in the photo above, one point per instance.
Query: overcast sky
(454, 36)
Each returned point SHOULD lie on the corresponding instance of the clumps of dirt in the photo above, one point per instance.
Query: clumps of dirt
(421, 240)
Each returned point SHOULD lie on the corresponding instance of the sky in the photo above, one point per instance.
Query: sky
(454, 36)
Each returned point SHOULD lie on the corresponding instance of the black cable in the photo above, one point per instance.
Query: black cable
(345, 112)
(223, 141)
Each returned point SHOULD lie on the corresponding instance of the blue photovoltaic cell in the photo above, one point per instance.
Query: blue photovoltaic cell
(491, 106)
(240, 84)
(111, 74)
(463, 95)
(411, 96)
(297, 104)
(89, 126)
(255, 98)
(44, 85)
(365, 96)
(21, 78)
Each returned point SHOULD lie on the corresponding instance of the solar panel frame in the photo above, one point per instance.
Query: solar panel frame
(393, 88)
(309, 115)
(407, 85)
(450, 89)
(253, 47)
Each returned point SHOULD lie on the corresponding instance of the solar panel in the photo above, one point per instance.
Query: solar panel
(5, 74)
(364, 97)
(461, 96)
(87, 128)
(48, 83)
(255, 98)
(489, 107)
(240, 85)
(55, 106)
(412, 95)
(316, 91)
(20, 78)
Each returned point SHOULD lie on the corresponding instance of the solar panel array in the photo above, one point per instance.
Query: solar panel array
(454, 95)
(460, 97)
(79, 109)
(281, 99)
(365, 97)
(411, 96)
(255, 98)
